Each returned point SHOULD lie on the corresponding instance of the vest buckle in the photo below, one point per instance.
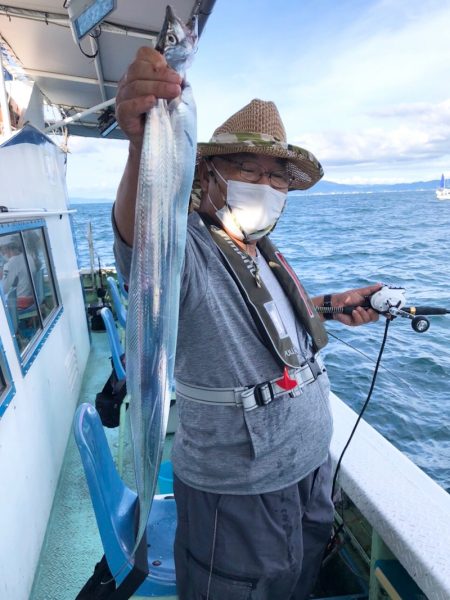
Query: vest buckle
(263, 393)
(316, 365)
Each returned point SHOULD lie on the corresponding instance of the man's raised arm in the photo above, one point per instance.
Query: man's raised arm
(147, 79)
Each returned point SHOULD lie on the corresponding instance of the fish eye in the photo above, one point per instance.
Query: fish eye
(171, 39)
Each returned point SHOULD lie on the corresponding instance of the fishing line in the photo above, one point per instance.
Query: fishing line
(372, 360)
(362, 411)
(333, 541)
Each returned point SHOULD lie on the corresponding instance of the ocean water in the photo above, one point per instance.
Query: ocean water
(342, 241)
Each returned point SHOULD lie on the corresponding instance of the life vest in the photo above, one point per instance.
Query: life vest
(259, 301)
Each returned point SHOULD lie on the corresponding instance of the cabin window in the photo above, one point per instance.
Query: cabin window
(7, 389)
(28, 285)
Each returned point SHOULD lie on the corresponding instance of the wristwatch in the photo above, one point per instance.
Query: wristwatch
(328, 316)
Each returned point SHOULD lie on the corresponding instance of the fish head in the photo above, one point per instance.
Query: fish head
(178, 41)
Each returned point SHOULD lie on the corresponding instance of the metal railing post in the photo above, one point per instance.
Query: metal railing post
(6, 120)
(379, 551)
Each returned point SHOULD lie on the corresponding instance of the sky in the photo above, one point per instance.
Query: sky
(363, 84)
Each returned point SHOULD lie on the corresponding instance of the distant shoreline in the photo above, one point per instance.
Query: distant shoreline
(75, 201)
(322, 188)
(355, 192)
(313, 192)
(331, 187)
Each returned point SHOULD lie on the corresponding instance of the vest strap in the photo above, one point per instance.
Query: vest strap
(258, 395)
(259, 301)
(296, 293)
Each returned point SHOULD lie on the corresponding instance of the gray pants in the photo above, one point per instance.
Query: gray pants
(255, 547)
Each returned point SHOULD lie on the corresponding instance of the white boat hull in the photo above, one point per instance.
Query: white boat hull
(34, 428)
(443, 194)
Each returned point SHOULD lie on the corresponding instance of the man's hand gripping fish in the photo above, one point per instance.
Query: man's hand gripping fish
(165, 180)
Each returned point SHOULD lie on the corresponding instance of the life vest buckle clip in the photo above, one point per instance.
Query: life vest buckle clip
(316, 366)
(263, 393)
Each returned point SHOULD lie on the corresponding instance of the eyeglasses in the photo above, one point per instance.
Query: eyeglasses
(252, 172)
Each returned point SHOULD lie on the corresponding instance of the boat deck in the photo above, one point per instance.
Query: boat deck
(72, 544)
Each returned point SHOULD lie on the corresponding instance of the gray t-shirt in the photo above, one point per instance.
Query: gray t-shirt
(223, 449)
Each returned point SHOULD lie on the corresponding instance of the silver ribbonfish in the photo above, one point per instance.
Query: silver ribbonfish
(165, 180)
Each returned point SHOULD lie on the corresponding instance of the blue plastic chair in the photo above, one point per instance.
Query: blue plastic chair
(117, 352)
(114, 506)
(122, 288)
(116, 347)
(119, 308)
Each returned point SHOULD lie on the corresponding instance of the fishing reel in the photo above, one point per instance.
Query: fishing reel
(390, 301)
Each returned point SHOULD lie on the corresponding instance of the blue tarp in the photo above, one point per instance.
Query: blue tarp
(7, 75)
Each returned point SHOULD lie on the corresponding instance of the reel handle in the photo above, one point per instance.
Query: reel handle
(419, 323)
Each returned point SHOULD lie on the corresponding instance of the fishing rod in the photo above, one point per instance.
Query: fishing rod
(94, 308)
(101, 290)
(390, 301)
(91, 255)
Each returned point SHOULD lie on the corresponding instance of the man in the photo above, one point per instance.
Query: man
(15, 270)
(252, 473)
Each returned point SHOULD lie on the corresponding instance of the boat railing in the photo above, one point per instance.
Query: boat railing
(405, 507)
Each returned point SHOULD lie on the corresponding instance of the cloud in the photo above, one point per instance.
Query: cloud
(89, 146)
(95, 166)
(419, 132)
(433, 113)
(388, 54)
(365, 87)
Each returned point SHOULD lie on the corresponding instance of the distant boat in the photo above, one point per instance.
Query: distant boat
(443, 193)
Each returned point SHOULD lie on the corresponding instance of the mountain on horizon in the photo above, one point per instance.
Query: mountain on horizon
(329, 187)
(323, 187)
(77, 200)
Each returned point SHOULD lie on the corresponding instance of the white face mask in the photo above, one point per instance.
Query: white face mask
(251, 210)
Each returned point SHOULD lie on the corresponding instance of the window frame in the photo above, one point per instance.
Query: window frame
(10, 389)
(27, 356)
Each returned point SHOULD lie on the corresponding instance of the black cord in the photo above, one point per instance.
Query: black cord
(334, 537)
(372, 385)
(95, 35)
(86, 54)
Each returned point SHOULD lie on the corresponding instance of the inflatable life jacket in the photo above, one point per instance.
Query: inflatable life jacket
(258, 299)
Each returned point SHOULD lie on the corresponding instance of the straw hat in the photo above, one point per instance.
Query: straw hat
(257, 128)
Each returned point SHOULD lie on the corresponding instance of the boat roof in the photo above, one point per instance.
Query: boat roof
(38, 38)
